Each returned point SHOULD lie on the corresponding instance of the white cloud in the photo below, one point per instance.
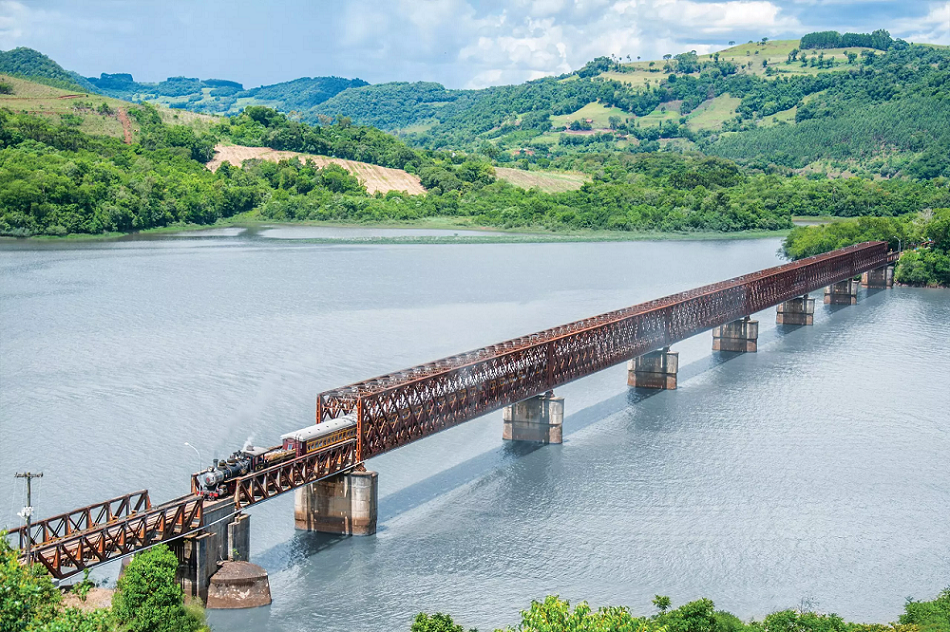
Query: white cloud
(470, 43)
(933, 28)
(21, 24)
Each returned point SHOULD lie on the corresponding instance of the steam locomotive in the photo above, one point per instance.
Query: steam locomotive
(218, 480)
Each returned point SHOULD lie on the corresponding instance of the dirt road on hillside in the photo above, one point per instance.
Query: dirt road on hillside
(126, 125)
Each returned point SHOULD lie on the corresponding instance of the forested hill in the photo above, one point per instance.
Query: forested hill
(33, 65)
(880, 111)
(221, 96)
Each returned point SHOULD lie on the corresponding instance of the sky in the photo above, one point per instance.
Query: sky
(459, 43)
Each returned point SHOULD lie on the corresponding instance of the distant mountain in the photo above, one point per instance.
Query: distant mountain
(30, 64)
(220, 96)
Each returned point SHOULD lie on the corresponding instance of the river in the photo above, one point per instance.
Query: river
(814, 471)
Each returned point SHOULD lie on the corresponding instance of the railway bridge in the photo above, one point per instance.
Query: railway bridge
(334, 491)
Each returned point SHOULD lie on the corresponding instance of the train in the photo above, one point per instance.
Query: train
(218, 481)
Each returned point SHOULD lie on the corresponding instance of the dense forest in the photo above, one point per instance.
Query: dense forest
(841, 115)
(556, 615)
(57, 180)
(925, 237)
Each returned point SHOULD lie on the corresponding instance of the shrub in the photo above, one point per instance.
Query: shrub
(149, 598)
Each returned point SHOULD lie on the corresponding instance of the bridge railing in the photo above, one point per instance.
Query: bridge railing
(79, 520)
(70, 555)
(264, 484)
(400, 407)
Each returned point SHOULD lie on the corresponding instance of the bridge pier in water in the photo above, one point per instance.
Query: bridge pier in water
(537, 419)
(344, 504)
(656, 369)
(224, 538)
(879, 278)
(740, 336)
(797, 311)
(842, 293)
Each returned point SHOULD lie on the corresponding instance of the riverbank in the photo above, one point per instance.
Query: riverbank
(491, 235)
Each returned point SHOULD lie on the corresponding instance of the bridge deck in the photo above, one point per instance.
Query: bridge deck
(401, 407)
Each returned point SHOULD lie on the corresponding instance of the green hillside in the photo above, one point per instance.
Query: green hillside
(771, 105)
(30, 64)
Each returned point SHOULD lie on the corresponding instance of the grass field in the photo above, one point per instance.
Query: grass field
(712, 114)
(53, 103)
(748, 57)
(547, 181)
(598, 113)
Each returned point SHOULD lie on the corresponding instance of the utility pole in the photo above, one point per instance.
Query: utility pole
(27, 512)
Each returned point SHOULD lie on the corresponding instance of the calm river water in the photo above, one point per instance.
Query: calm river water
(815, 469)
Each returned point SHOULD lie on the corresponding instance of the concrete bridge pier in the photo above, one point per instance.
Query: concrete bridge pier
(345, 504)
(538, 419)
(224, 537)
(741, 336)
(842, 293)
(879, 278)
(656, 369)
(797, 311)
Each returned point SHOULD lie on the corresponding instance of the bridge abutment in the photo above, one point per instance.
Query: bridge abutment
(879, 278)
(223, 537)
(842, 293)
(656, 369)
(741, 336)
(538, 419)
(343, 504)
(796, 311)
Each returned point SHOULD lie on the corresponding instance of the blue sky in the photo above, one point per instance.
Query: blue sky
(460, 43)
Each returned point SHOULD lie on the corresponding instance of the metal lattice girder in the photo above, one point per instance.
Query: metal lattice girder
(72, 554)
(259, 486)
(82, 519)
(400, 407)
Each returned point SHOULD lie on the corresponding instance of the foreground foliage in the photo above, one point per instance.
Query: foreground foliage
(929, 265)
(556, 615)
(149, 599)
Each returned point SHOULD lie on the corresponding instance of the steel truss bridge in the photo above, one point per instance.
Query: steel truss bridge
(395, 409)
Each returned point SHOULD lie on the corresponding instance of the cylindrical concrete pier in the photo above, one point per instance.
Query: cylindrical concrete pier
(238, 585)
(740, 336)
(344, 504)
(656, 369)
(536, 419)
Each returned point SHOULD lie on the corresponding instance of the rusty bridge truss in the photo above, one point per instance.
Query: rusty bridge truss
(393, 410)
(114, 537)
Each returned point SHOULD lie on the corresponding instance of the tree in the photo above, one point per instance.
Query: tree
(662, 603)
(764, 40)
(436, 623)
(732, 42)
(792, 55)
(149, 598)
